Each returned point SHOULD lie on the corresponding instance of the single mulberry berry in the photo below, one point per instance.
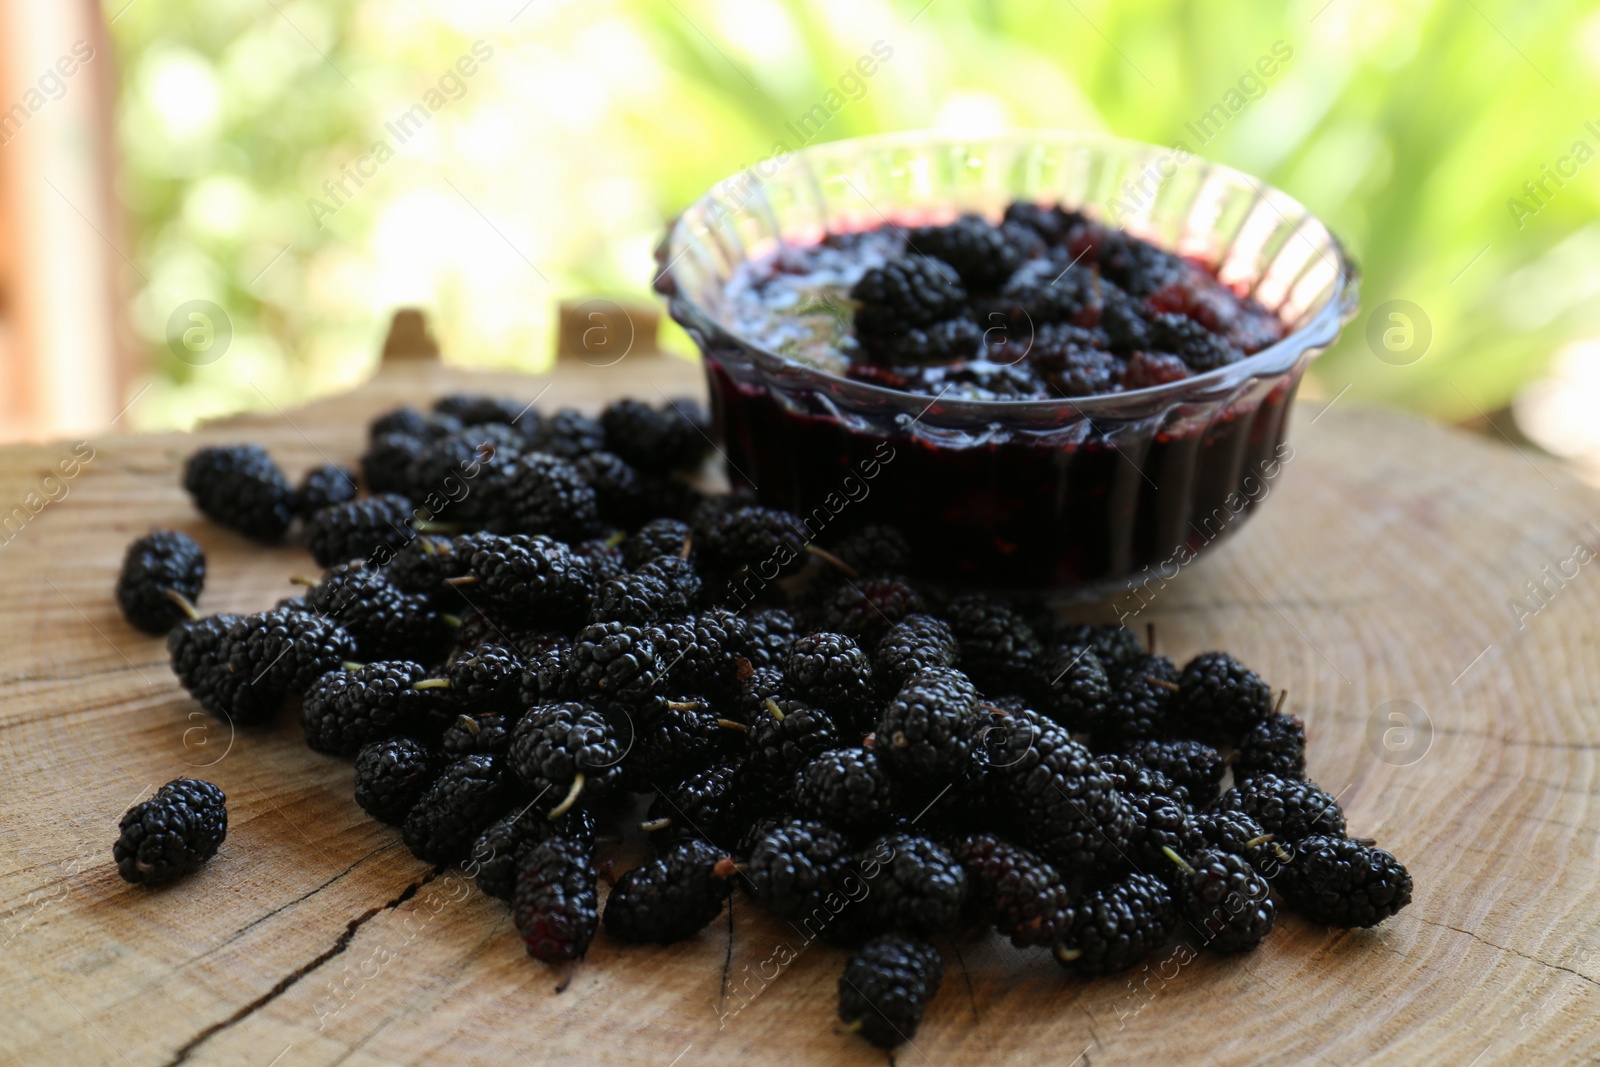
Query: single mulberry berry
(386, 622)
(547, 495)
(715, 804)
(658, 537)
(387, 463)
(1220, 698)
(1011, 889)
(866, 608)
(1341, 882)
(784, 736)
(563, 750)
(1275, 745)
(1113, 928)
(1195, 766)
(392, 775)
(324, 487)
(345, 710)
(874, 550)
(1078, 685)
(997, 644)
(548, 677)
(618, 660)
(449, 815)
(486, 733)
(172, 833)
(158, 567)
(602, 555)
(984, 256)
(671, 437)
(1115, 644)
(280, 653)
(498, 853)
(636, 598)
(553, 904)
(424, 564)
(358, 529)
(905, 293)
(1236, 833)
(684, 737)
(242, 488)
(567, 433)
(927, 729)
(831, 671)
(1197, 346)
(528, 578)
(921, 888)
(793, 865)
(771, 542)
(1287, 809)
(847, 788)
(911, 646)
(769, 632)
(704, 652)
(617, 489)
(886, 987)
(1143, 701)
(671, 898)
(488, 678)
(1224, 900)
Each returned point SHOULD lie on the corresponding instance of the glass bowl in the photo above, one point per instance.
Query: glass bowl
(1084, 495)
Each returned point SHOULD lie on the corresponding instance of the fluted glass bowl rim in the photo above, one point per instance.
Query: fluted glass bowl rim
(1316, 333)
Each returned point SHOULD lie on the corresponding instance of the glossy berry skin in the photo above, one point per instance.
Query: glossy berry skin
(547, 495)
(997, 644)
(618, 660)
(914, 644)
(656, 439)
(386, 622)
(455, 808)
(671, 898)
(323, 487)
(886, 987)
(769, 632)
(1115, 927)
(1238, 834)
(926, 731)
(172, 833)
(1197, 767)
(242, 488)
(345, 710)
(921, 888)
(1079, 687)
(1225, 901)
(498, 852)
(783, 738)
(715, 804)
(770, 541)
(663, 536)
(833, 673)
(905, 293)
(1220, 698)
(847, 788)
(159, 562)
(1288, 809)
(793, 865)
(554, 743)
(1275, 745)
(392, 775)
(285, 650)
(1010, 888)
(1340, 882)
(193, 647)
(528, 579)
(488, 678)
(1142, 701)
(355, 529)
(553, 904)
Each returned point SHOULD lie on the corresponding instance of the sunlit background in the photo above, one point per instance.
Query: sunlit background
(1451, 145)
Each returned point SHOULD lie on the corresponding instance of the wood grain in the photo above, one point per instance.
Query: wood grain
(1383, 573)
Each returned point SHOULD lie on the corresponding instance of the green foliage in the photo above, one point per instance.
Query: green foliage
(1407, 126)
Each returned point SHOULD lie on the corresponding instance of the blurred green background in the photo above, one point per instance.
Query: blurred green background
(1411, 127)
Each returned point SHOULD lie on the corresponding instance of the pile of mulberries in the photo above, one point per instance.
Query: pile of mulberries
(561, 629)
(1046, 303)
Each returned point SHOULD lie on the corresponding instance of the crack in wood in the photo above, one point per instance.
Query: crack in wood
(283, 984)
(1515, 952)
